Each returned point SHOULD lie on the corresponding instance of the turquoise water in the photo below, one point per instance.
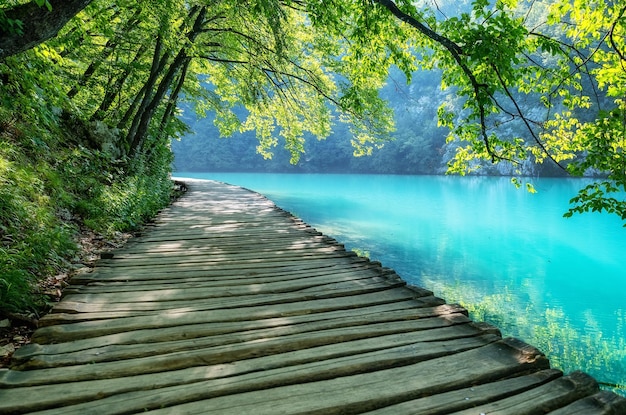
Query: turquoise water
(507, 255)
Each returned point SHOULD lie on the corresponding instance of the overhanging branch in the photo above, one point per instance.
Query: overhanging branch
(456, 51)
(39, 24)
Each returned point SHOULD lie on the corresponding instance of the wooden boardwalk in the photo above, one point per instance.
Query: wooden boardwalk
(228, 305)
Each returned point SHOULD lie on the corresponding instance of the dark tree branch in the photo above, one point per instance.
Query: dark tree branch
(173, 99)
(523, 118)
(114, 88)
(139, 129)
(39, 24)
(456, 51)
(107, 51)
(621, 54)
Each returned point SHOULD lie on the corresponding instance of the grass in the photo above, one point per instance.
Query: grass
(60, 172)
(48, 189)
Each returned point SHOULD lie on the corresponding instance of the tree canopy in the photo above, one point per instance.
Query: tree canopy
(296, 67)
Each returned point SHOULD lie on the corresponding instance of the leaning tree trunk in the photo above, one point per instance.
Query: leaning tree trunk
(39, 24)
(139, 129)
(140, 106)
(114, 88)
(168, 114)
(173, 100)
(107, 51)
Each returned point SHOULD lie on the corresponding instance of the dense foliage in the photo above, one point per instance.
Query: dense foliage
(92, 90)
(52, 183)
(527, 82)
(417, 146)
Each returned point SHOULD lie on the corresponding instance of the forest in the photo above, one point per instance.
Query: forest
(418, 144)
(92, 93)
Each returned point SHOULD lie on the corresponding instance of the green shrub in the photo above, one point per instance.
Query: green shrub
(33, 241)
(58, 172)
(36, 238)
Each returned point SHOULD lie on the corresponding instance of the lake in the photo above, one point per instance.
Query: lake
(505, 254)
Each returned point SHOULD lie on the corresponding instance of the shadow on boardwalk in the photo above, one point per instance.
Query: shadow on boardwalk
(229, 305)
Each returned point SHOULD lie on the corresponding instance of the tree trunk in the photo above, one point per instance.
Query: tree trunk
(173, 100)
(40, 24)
(139, 107)
(113, 89)
(132, 108)
(168, 114)
(107, 51)
(139, 129)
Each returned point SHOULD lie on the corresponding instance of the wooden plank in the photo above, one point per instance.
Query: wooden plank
(375, 389)
(244, 258)
(288, 309)
(373, 351)
(183, 246)
(233, 223)
(338, 360)
(221, 234)
(203, 280)
(276, 282)
(203, 240)
(601, 403)
(469, 398)
(273, 245)
(315, 388)
(214, 298)
(121, 322)
(197, 222)
(234, 264)
(196, 302)
(247, 329)
(313, 266)
(242, 346)
(543, 399)
(308, 285)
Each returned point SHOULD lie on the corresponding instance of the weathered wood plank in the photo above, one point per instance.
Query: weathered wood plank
(415, 346)
(242, 264)
(302, 285)
(217, 299)
(189, 256)
(74, 312)
(277, 282)
(229, 233)
(266, 391)
(201, 311)
(184, 247)
(248, 330)
(337, 362)
(268, 227)
(206, 273)
(543, 399)
(244, 258)
(201, 247)
(242, 345)
(601, 403)
(91, 327)
(397, 365)
(470, 398)
(230, 247)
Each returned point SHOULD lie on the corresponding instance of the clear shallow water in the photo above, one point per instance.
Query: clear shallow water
(507, 255)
